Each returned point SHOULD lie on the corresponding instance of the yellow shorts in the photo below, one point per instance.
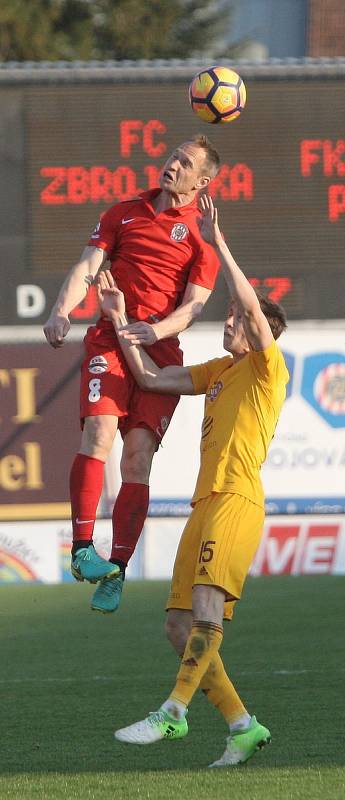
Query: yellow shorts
(216, 548)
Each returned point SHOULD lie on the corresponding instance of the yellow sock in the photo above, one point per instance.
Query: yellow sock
(202, 646)
(219, 690)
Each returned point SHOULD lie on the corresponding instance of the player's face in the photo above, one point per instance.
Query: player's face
(234, 338)
(184, 171)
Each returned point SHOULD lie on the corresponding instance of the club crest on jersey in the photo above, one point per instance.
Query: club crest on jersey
(179, 232)
(97, 365)
(95, 232)
(213, 392)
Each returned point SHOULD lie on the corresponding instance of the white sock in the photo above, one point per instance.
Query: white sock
(240, 724)
(174, 708)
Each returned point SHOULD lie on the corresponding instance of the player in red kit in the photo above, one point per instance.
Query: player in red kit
(166, 272)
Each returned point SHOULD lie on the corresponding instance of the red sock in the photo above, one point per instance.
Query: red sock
(130, 512)
(86, 482)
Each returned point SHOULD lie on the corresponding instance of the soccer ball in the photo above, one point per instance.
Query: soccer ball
(217, 94)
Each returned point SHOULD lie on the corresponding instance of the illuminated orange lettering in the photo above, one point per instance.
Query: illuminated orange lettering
(232, 183)
(241, 182)
(128, 135)
(101, 184)
(154, 126)
(332, 158)
(124, 183)
(308, 155)
(336, 202)
(153, 174)
(49, 194)
(220, 186)
(279, 286)
(78, 185)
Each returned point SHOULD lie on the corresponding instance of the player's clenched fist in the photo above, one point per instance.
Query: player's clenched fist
(56, 329)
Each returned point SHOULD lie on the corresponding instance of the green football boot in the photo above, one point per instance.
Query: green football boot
(158, 725)
(87, 565)
(108, 594)
(241, 745)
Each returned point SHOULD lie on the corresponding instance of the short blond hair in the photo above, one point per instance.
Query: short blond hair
(212, 160)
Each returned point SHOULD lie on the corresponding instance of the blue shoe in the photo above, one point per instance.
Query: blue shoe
(87, 565)
(108, 594)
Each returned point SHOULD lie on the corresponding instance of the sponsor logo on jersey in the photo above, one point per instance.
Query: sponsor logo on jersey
(214, 390)
(179, 232)
(97, 365)
(95, 232)
(125, 221)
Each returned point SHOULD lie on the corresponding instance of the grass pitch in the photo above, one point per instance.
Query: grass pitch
(69, 677)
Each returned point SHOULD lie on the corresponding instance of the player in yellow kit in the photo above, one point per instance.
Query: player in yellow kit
(244, 395)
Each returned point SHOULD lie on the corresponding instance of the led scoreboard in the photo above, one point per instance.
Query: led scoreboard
(72, 147)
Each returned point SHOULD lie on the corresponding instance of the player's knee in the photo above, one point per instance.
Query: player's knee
(98, 437)
(136, 466)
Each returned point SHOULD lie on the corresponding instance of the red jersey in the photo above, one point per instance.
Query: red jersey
(154, 256)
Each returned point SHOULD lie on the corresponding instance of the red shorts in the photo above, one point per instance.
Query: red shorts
(108, 387)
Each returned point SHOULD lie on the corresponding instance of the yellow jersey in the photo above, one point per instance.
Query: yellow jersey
(242, 405)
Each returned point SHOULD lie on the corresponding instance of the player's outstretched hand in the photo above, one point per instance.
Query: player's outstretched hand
(110, 297)
(208, 223)
(56, 329)
(139, 333)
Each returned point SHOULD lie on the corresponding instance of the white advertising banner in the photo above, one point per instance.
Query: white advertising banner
(291, 545)
(41, 551)
(30, 552)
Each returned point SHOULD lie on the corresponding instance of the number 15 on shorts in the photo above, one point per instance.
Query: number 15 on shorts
(206, 551)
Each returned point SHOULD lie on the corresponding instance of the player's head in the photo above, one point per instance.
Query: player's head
(274, 314)
(211, 156)
(235, 340)
(191, 167)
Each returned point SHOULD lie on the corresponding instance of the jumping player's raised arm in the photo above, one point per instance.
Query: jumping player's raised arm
(72, 292)
(168, 380)
(256, 326)
(193, 301)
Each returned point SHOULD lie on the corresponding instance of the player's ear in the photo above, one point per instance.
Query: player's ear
(202, 182)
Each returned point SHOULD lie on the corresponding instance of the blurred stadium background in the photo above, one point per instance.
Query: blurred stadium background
(79, 136)
(93, 97)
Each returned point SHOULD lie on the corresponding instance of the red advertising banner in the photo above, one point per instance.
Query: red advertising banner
(306, 546)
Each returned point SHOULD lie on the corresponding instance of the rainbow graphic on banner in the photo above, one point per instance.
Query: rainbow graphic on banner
(14, 570)
(65, 562)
